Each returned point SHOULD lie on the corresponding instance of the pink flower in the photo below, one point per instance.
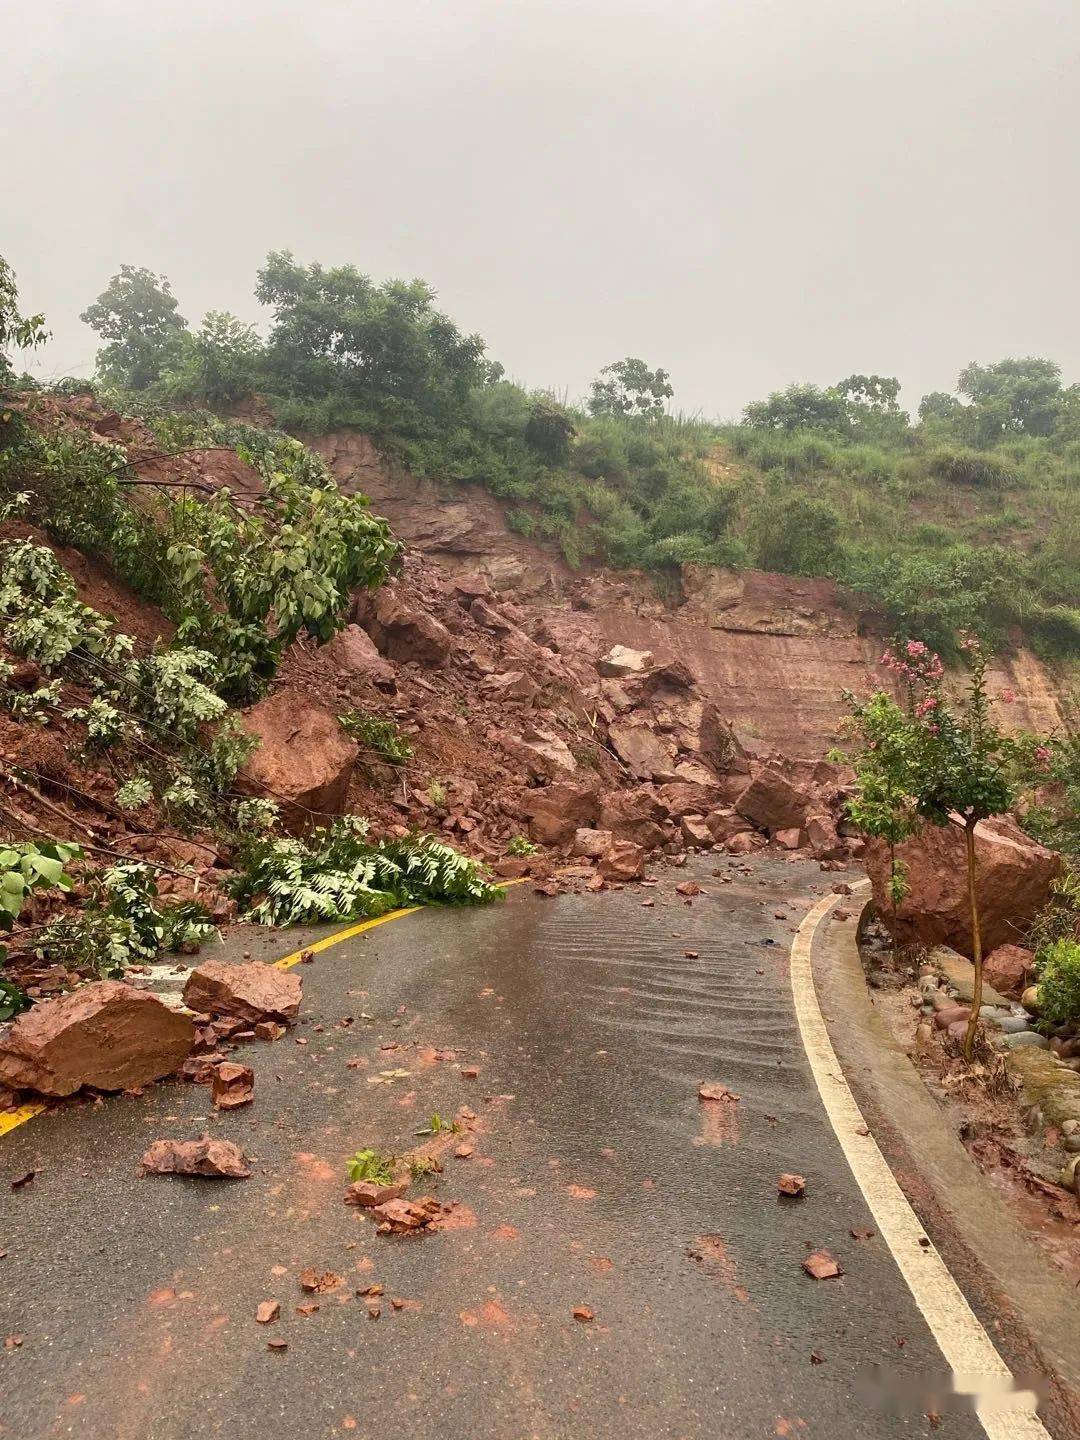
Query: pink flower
(1008, 697)
(1043, 755)
(915, 648)
(924, 707)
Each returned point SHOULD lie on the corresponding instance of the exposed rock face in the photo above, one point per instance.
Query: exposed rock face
(1013, 876)
(557, 812)
(620, 661)
(106, 1034)
(623, 861)
(1009, 969)
(401, 629)
(250, 992)
(353, 652)
(304, 759)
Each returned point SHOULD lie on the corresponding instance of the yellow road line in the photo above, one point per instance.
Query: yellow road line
(12, 1119)
(967, 1348)
(294, 959)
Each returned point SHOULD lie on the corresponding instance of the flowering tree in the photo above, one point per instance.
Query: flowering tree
(933, 760)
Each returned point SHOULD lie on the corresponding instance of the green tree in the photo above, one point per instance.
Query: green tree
(876, 393)
(954, 764)
(799, 407)
(630, 388)
(549, 430)
(385, 345)
(939, 406)
(882, 805)
(215, 366)
(138, 315)
(17, 331)
(1021, 397)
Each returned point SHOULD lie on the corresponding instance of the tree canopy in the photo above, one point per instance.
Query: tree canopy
(139, 317)
(629, 387)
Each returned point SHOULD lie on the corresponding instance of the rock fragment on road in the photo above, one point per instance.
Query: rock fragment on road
(211, 1159)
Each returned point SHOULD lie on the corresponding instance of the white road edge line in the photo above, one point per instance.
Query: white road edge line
(967, 1348)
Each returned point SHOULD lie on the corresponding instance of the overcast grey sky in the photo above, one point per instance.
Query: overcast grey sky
(748, 192)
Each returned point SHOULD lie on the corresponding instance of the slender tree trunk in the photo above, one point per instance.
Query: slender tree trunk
(976, 942)
(892, 893)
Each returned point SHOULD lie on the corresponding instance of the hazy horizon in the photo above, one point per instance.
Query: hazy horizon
(747, 196)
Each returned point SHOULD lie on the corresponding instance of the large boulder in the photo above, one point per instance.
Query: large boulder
(621, 661)
(303, 760)
(1009, 969)
(591, 843)
(558, 811)
(685, 797)
(623, 861)
(107, 1034)
(548, 754)
(402, 628)
(640, 749)
(725, 824)
(695, 832)
(718, 743)
(634, 815)
(773, 801)
(352, 652)
(1013, 876)
(250, 992)
(823, 838)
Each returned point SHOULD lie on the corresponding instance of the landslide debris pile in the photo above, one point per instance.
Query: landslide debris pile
(212, 661)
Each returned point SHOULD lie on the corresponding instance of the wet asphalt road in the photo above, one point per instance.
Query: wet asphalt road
(596, 1173)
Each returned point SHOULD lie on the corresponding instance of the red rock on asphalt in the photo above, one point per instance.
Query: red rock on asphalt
(213, 1159)
(822, 1266)
(249, 992)
(623, 860)
(233, 1085)
(406, 1215)
(106, 1034)
(367, 1194)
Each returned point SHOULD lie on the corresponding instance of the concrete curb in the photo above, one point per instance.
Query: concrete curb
(1023, 1300)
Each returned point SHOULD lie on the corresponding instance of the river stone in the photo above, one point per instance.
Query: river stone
(1026, 1037)
(1012, 1024)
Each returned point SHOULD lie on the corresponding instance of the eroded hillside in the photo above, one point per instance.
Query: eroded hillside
(774, 652)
